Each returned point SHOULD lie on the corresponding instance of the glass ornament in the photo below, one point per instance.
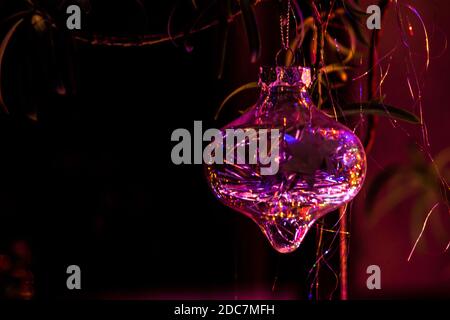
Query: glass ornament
(322, 164)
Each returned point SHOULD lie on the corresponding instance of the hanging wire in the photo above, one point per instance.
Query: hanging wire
(284, 35)
(285, 26)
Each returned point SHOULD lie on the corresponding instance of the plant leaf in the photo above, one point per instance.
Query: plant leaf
(247, 86)
(378, 183)
(225, 12)
(398, 194)
(251, 29)
(353, 8)
(3, 47)
(335, 67)
(15, 17)
(355, 15)
(441, 160)
(358, 28)
(382, 109)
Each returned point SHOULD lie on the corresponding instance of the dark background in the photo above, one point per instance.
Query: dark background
(92, 182)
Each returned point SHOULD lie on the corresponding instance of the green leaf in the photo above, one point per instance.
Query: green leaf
(251, 29)
(382, 109)
(247, 86)
(3, 47)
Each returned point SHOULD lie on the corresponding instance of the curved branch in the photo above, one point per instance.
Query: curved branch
(141, 41)
(150, 39)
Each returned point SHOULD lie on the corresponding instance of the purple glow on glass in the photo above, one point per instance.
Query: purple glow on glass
(322, 163)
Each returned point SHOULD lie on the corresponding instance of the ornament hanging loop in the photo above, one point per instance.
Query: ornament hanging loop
(287, 51)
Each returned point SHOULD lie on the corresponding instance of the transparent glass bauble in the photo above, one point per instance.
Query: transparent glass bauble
(321, 163)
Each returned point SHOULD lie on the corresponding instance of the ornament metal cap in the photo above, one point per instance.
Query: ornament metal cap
(276, 76)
